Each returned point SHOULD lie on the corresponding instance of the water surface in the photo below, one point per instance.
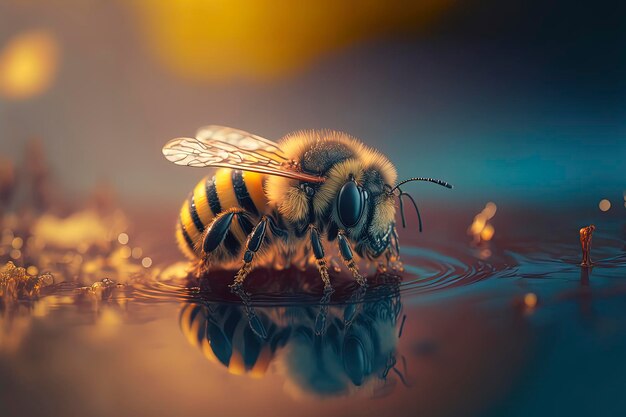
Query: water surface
(452, 334)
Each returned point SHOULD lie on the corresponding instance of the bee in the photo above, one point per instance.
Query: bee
(274, 203)
(352, 354)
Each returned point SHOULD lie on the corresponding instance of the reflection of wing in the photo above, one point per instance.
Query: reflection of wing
(217, 146)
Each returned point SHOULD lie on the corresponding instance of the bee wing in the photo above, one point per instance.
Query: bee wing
(239, 138)
(217, 146)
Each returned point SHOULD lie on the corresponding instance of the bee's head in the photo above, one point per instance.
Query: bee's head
(354, 201)
(357, 196)
(365, 209)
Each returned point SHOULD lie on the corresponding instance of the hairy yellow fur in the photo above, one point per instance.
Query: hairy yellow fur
(294, 145)
(384, 214)
(292, 202)
(294, 206)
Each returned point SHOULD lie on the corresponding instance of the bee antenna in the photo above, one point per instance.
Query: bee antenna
(419, 217)
(433, 180)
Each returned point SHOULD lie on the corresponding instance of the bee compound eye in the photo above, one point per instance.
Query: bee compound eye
(350, 204)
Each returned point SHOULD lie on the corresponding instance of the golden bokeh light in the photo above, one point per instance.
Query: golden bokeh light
(82, 227)
(604, 205)
(122, 238)
(125, 252)
(530, 300)
(146, 262)
(487, 233)
(28, 64)
(226, 39)
(481, 228)
(137, 252)
(17, 243)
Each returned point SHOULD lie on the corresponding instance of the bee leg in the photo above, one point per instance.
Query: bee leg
(348, 258)
(322, 265)
(276, 230)
(253, 243)
(354, 306)
(216, 233)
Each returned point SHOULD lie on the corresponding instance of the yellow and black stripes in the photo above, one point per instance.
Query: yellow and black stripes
(241, 192)
(193, 210)
(212, 196)
(224, 336)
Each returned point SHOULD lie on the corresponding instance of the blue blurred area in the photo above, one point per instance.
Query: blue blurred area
(510, 101)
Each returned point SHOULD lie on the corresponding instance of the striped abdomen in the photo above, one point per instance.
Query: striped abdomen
(226, 338)
(211, 196)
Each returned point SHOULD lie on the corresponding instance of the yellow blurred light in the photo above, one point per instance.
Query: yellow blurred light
(7, 237)
(28, 64)
(146, 262)
(478, 225)
(481, 228)
(32, 270)
(109, 318)
(125, 252)
(15, 254)
(122, 238)
(487, 233)
(17, 243)
(530, 300)
(604, 205)
(263, 39)
(490, 210)
(174, 271)
(137, 252)
(83, 227)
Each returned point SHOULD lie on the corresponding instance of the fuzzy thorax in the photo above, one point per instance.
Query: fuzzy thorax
(336, 156)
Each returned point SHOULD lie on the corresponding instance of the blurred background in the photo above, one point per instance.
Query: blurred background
(519, 102)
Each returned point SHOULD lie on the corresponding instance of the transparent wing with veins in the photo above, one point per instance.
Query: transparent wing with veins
(218, 146)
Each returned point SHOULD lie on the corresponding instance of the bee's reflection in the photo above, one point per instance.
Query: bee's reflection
(357, 347)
